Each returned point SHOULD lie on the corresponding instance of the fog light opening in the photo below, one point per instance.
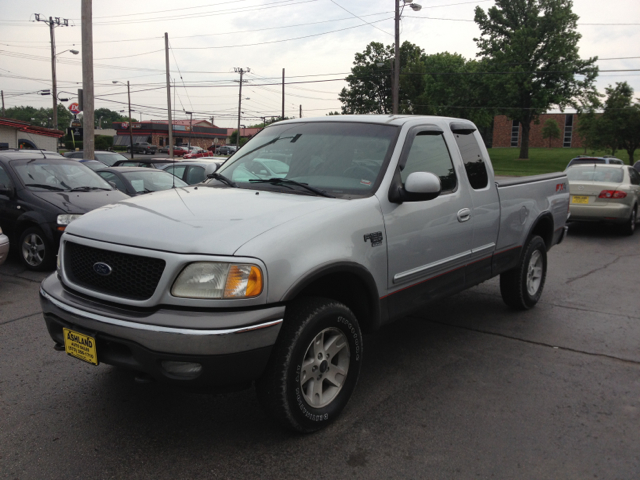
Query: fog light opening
(181, 369)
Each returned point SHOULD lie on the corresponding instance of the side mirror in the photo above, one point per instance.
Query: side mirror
(113, 185)
(6, 190)
(419, 187)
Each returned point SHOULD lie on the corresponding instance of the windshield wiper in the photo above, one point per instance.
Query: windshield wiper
(42, 185)
(86, 189)
(287, 182)
(223, 179)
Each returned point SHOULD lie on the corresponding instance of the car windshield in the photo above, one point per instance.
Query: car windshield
(58, 175)
(109, 158)
(152, 180)
(340, 159)
(594, 174)
(94, 164)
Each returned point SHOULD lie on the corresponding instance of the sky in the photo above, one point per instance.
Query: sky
(315, 41)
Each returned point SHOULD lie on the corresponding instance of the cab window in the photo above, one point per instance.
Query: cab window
(429, 153)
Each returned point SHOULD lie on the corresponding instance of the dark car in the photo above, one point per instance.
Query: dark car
(93, 164)
(136, 181)
(226, 150)
(108, 158)
(40, 196)
(146, 163)
(143, 147)
(192, 172)
(636, 166)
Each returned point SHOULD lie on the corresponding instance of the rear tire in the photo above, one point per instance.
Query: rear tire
(630, 227)
(314, 366)
(521, 287)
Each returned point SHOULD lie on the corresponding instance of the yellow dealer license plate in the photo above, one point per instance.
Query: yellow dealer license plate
(80, 346)
(580, 199)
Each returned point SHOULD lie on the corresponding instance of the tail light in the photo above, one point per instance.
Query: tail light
(611, 194)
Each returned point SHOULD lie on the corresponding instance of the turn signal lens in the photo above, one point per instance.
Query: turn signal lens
(612, 194)
(243, 281)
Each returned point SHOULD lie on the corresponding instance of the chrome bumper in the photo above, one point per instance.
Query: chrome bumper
(181, 332)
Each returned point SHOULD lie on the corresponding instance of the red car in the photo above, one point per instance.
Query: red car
(198, 154)
(179, 151)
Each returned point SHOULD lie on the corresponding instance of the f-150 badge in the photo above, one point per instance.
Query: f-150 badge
(375, 237)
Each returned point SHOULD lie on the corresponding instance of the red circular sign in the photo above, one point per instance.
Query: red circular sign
(74, 108)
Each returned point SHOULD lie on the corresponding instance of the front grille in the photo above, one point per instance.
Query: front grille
(132, 276)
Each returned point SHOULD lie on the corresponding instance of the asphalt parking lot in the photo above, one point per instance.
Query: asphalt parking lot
(464, 388)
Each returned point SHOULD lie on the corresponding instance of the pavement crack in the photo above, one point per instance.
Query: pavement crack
(573, 279)
(533, 342)
(21, 318)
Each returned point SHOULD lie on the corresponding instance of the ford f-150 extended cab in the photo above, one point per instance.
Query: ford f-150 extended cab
(316, 230)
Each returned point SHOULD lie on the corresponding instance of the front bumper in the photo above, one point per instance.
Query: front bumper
(233, 347)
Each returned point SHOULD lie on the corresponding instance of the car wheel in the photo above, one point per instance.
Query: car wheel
(35, 251)
(314, 366)
(521, 287)
(630, 226)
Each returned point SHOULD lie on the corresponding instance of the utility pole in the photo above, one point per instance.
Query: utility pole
(170, 123)
(190, 128)
(130, 119)
(88, 120)
(2, 94)
(241, 71)
(396, 65)
(53, 23)
(283, 94)
(300, 112)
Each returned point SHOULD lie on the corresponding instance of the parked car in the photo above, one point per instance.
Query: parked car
(226, 150)
(40, 197)
(143, 147)
(583, 159)
(146, 163)
(137, 181)
(273, 280)
(4, 246)
(108, 158)
(636, 166)
(93, 164)
(200, 153)
(605, 193)
(192, 172)
(180, 150)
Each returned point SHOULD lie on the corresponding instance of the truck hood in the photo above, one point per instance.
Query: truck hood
(199, 220)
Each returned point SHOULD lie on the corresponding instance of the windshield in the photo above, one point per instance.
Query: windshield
(339, 158)
(594, 174)
(57, 175)
(152, 180)
(109, 158)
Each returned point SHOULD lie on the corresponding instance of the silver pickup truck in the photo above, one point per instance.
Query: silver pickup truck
(315, 231)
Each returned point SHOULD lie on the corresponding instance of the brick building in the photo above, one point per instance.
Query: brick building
(201, 133)
(508, 133)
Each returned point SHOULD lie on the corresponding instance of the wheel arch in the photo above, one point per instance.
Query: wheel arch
(32, 219)
(349, 283)
(542, 227)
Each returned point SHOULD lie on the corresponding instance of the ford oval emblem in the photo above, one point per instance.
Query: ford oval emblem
(102, 268)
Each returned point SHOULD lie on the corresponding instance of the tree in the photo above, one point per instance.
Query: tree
(105, 117)
(621, 119)
(40, 116)
(531, 47)
(550, 130)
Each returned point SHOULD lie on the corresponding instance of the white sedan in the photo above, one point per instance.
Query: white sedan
(604, 193)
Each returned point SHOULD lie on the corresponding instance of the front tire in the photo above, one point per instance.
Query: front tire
(314, 366)
(36, 252)
(521, 287)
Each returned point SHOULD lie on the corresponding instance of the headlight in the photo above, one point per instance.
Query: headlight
(218, 280)
(67, 219)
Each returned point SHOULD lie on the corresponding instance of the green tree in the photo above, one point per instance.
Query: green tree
(105, 117)
(531, 47)
(621, 119)
(550, 130)
(41, 117)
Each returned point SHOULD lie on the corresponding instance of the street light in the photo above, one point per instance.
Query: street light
(130, 122)
(54, 83)
(396, 70)
(190, 127)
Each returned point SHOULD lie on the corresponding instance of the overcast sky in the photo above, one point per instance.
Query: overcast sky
(313, 40)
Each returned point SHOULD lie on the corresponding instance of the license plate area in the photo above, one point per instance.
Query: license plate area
(80, 346)
(580, 199)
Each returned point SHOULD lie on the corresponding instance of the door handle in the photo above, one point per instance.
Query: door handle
(464, 215)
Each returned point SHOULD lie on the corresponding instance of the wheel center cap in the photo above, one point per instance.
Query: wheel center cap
(323, 366)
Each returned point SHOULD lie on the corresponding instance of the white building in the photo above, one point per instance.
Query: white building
(19, 134)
